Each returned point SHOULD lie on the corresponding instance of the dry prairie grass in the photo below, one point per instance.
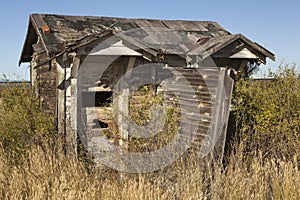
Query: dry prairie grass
(52, 175)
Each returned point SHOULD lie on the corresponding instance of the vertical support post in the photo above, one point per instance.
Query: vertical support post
(130, 66)
(67, 101)
(123, 103)
(60, 94)
(33, 78)
(228, 84)
(68, 108)
(71, 106)
(221, 115)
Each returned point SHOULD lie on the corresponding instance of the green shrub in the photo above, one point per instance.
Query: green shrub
(22, 123)
(267, 114)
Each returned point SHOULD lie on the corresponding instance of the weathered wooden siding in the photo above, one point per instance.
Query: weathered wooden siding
(205, 105)
(44, 82)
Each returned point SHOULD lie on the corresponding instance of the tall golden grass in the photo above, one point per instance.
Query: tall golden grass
(45, 174)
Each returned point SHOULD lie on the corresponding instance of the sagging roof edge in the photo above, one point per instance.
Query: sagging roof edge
(33, 30)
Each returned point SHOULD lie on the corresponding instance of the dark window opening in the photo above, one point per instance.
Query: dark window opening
(99, 124)
(96, 99)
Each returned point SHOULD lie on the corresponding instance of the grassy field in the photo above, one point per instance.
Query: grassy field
(51, 175)
(263, 161)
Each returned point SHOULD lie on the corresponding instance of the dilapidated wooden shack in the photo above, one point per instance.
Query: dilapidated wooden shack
(81, 66)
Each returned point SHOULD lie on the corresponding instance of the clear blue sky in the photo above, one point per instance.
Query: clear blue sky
(273, 24)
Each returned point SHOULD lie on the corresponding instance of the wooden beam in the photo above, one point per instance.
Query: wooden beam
(123, 111)
(223, 117)
(130, 65)
(60, 97)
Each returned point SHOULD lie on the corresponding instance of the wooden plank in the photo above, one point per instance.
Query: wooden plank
(40, 22)
(115, 49)
(60, 98)
(130, 65)
(38, 48)
(244, 53)
(185, 25)
(122, 106)
(37, 23)
(215, 141)
(220, 145)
